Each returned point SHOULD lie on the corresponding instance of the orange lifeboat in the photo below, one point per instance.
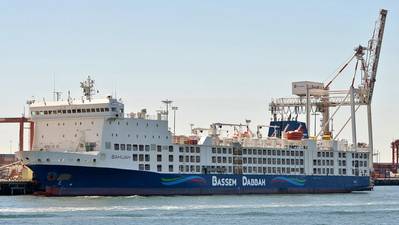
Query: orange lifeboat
(295, 134)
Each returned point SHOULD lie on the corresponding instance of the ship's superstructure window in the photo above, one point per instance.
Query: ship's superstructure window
(116, 146)
(69, 111)
(107, 145)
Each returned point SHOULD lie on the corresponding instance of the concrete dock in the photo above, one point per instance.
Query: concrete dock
(12, 187)
(386, 181)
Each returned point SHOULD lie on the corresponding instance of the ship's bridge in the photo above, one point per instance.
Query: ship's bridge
(105, 107)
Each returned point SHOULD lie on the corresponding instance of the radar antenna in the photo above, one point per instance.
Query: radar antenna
(88, 88)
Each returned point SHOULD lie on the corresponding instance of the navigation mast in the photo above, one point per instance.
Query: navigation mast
(88, 88)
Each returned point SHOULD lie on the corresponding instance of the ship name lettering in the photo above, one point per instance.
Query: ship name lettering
(120, 157)
(253, 181)
(229, 182)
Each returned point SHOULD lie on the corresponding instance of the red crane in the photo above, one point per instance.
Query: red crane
(21, 121)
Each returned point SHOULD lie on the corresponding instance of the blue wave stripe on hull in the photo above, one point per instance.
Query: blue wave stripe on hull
(182, 180)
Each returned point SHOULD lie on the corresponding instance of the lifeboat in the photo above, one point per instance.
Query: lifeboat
(294, 135)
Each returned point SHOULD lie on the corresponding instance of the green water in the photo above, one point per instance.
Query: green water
(380, 206)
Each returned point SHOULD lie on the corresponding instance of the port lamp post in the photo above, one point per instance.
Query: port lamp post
(174, 108)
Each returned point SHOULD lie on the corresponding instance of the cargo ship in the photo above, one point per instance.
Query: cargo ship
(91, 146)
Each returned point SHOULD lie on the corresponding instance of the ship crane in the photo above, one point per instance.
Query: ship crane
(237, 132)
(322, 98)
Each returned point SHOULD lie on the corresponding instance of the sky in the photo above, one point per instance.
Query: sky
(219, 61)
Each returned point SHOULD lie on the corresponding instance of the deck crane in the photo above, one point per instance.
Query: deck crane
(322, 98)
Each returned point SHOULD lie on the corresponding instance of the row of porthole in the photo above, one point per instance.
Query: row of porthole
(63, 136)
(76, 123)
(60, 160)
(137, 124)
(137, 136)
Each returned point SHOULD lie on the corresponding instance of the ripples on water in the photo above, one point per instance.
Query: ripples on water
(380, 206)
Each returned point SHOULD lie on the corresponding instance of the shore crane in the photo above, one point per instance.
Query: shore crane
(320, 98)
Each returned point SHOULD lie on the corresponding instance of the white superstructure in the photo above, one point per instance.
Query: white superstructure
(98, 133)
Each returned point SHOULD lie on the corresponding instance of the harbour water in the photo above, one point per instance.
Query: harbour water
(380, 206)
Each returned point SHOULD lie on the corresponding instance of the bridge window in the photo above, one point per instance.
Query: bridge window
(116, 146)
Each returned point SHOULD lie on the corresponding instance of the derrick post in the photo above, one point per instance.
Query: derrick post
(32, 133)
(21, 134)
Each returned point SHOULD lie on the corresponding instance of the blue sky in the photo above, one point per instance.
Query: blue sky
(219, 60)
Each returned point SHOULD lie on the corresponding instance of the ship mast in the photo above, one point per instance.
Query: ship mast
(88, 88)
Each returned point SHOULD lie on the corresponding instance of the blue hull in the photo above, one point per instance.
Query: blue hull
(73, 180)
